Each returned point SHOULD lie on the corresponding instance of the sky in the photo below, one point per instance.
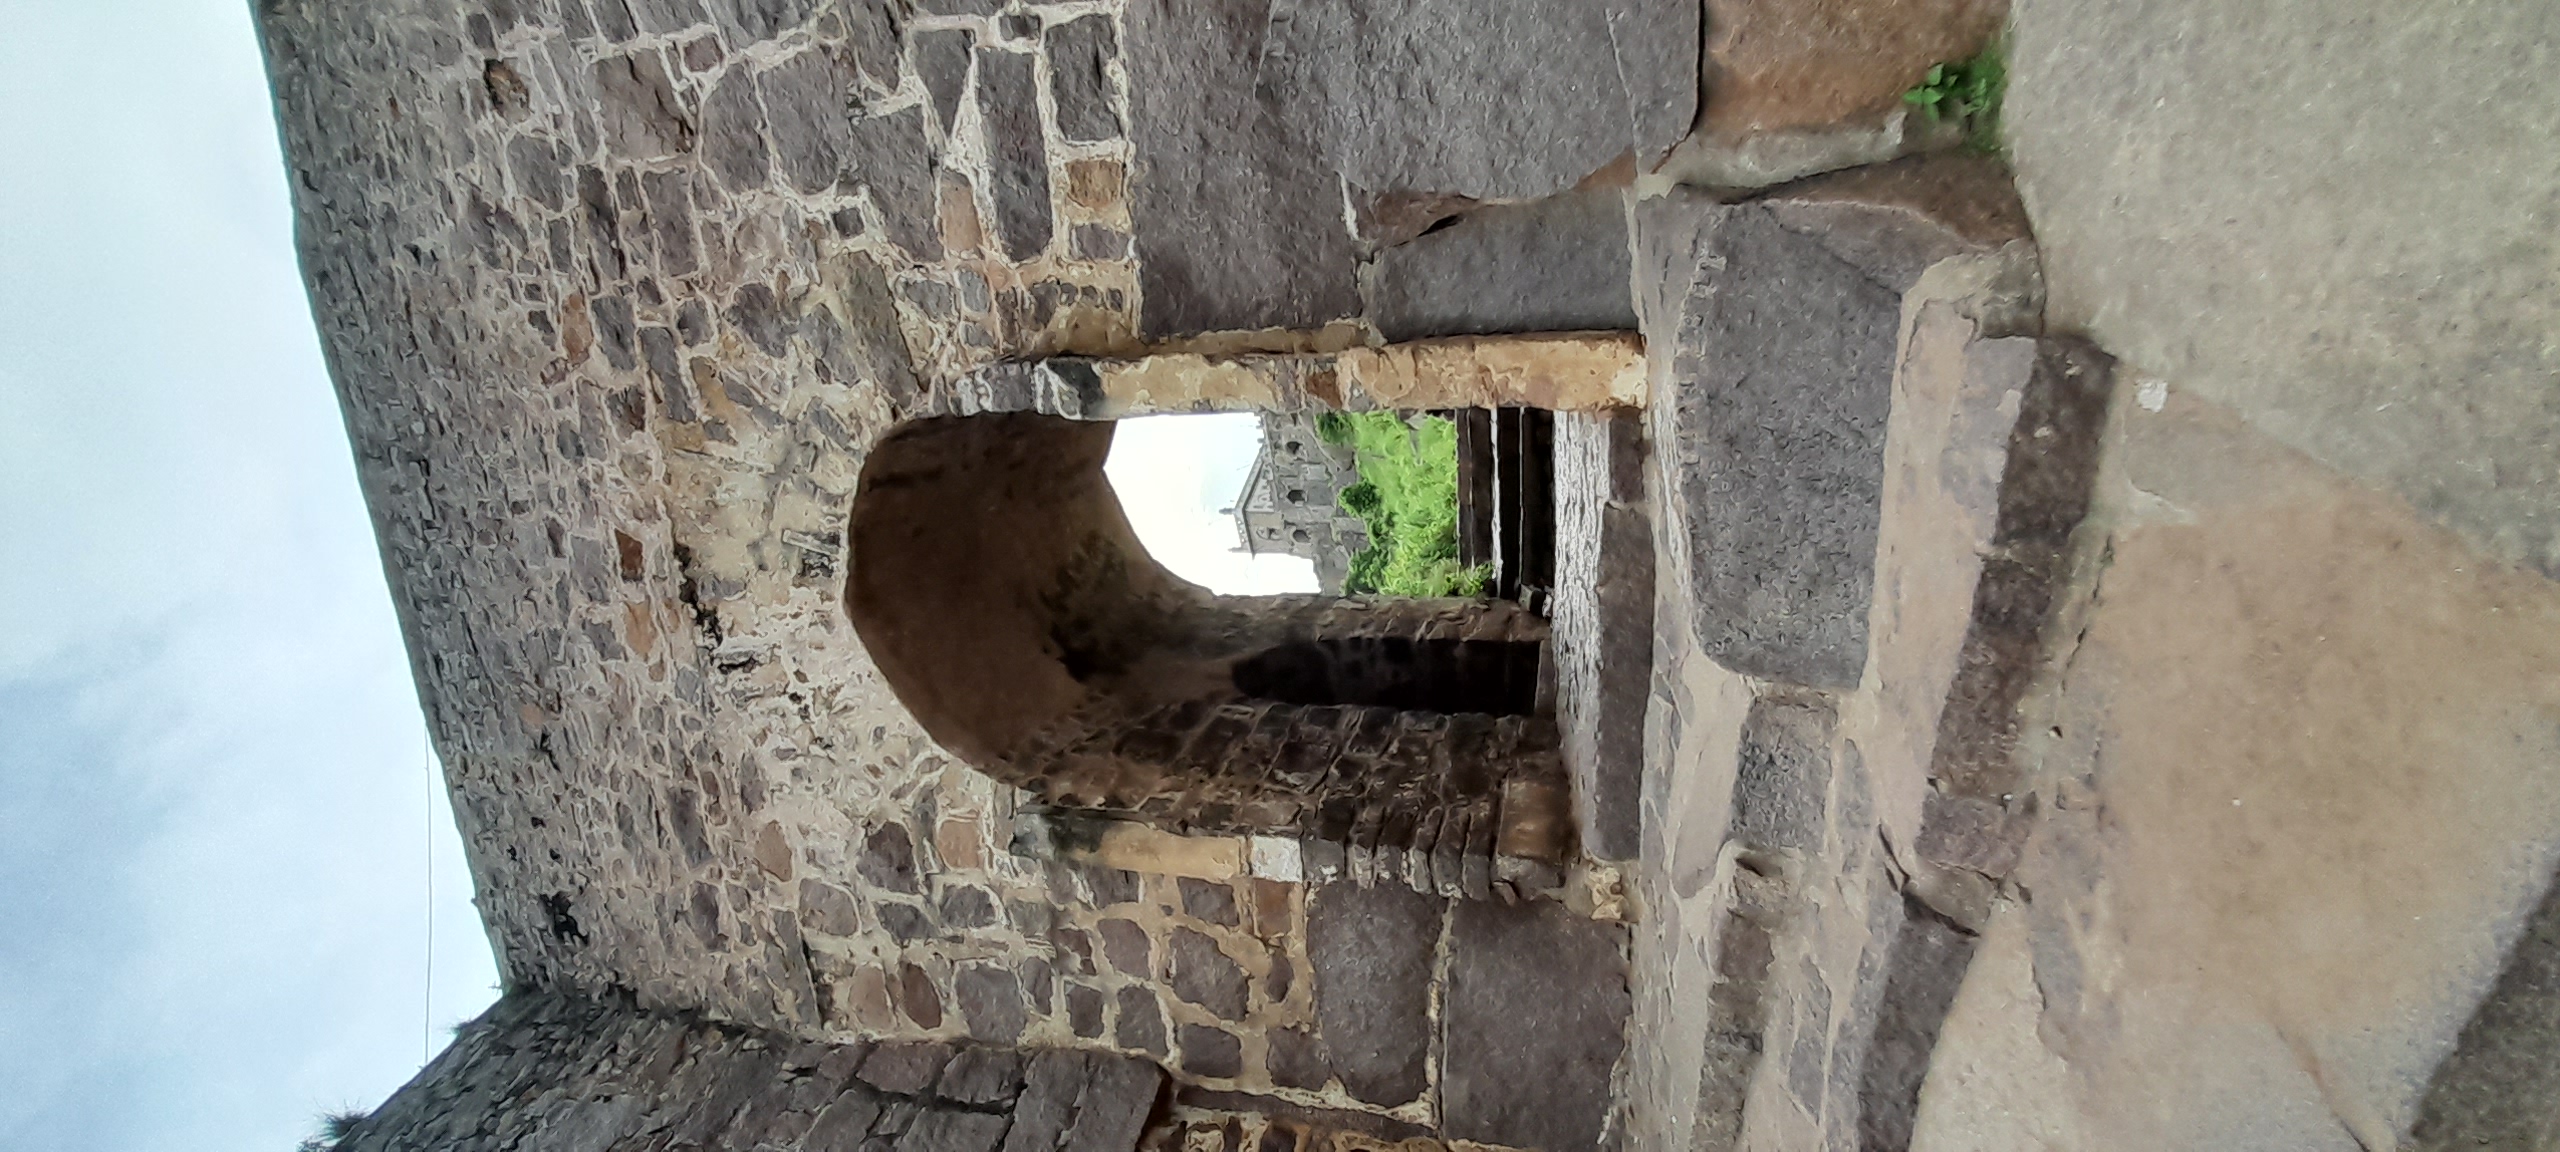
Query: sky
(1176, 476)
(224, 849)
(216, 809)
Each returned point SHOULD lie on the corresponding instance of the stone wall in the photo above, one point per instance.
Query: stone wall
(554, 1070)
(619, 296)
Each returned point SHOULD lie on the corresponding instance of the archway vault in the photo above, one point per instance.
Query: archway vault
(1002, 593)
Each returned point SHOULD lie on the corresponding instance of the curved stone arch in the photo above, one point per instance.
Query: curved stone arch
(995, 580)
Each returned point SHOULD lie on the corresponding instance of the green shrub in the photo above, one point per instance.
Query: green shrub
(1408, 496)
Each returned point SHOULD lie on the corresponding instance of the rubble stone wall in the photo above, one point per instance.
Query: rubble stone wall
(619, 296)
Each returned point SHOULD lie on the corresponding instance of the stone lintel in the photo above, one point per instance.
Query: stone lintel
(1564, 371)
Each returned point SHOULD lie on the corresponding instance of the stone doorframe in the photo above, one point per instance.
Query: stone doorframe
(995, 580)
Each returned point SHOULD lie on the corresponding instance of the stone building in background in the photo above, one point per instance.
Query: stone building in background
(1942, 736)
(1289, 502)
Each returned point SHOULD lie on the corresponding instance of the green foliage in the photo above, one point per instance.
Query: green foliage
(1967, 91)
(1408, 495)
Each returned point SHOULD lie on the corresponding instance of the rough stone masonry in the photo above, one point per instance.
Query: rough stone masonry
(1947, 734)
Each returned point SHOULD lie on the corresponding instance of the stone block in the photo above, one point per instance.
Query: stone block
(1553, 265)
(891, 156)
(990, 1000)
(1924, 970)
(1203, 975)
(941, 1130)
(1526, 96)
(1783, 774)
(642, 117)
(1079, 86)
(942, 62)
(1777, 325)
(1127, 947)
(1112, 1110)
(1208, 901)
(1017, 152)
(982, 1076)
(805, 99)
(905, 1068)
(1209, 1052)
(1536, 1008)
(1371, 950)
(1141, 1023)
(1236, 227)
(1603, 622)
(1294, 1058)
(1084, 1011)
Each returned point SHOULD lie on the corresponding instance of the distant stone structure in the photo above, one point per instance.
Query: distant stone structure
(1942, 736)
(1289, 503)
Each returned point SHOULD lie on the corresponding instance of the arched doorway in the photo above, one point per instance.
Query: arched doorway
(996, 580)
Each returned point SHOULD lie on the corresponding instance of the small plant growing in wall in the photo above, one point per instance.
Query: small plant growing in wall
(1966, 92)
(334, 1129)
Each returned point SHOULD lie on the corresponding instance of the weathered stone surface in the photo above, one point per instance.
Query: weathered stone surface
(1371, 949)
(642, 117)
(990, 999)
(906, 1068)
(1555, 265)
(1796, 65)
(982, 1076)
(942, 62)
(1536, 1011)
(1211, 1052)
(1126, 946)
(1208, 901)
(1084, 1011)
(1112, 1111)
(893, 160)
(1141, 1021)
(2499, 1087)
(888, 859)
(943, 1130)
(1526, 97)
(829, 909)
(1925, 967)
(1603, 610)
(1782, 356)
(1590, 371)
(1235, 228)
(966, 906)
(918, 997)
(806, 100)
(1018, 157)
(1659, 62)
(1204, 975)
(1296, 1059)
(1078, 85)
(1783, 774)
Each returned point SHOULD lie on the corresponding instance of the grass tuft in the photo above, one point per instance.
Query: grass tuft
(335, 1127)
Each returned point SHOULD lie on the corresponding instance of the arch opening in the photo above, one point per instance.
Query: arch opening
(997, 581)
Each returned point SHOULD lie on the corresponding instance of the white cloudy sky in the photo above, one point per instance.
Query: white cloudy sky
(216, 814)
(1175, 475)
(214, 805)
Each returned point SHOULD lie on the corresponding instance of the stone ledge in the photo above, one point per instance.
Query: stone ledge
(1568, 371)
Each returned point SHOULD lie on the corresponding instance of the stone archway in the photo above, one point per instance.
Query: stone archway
(995, 579)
